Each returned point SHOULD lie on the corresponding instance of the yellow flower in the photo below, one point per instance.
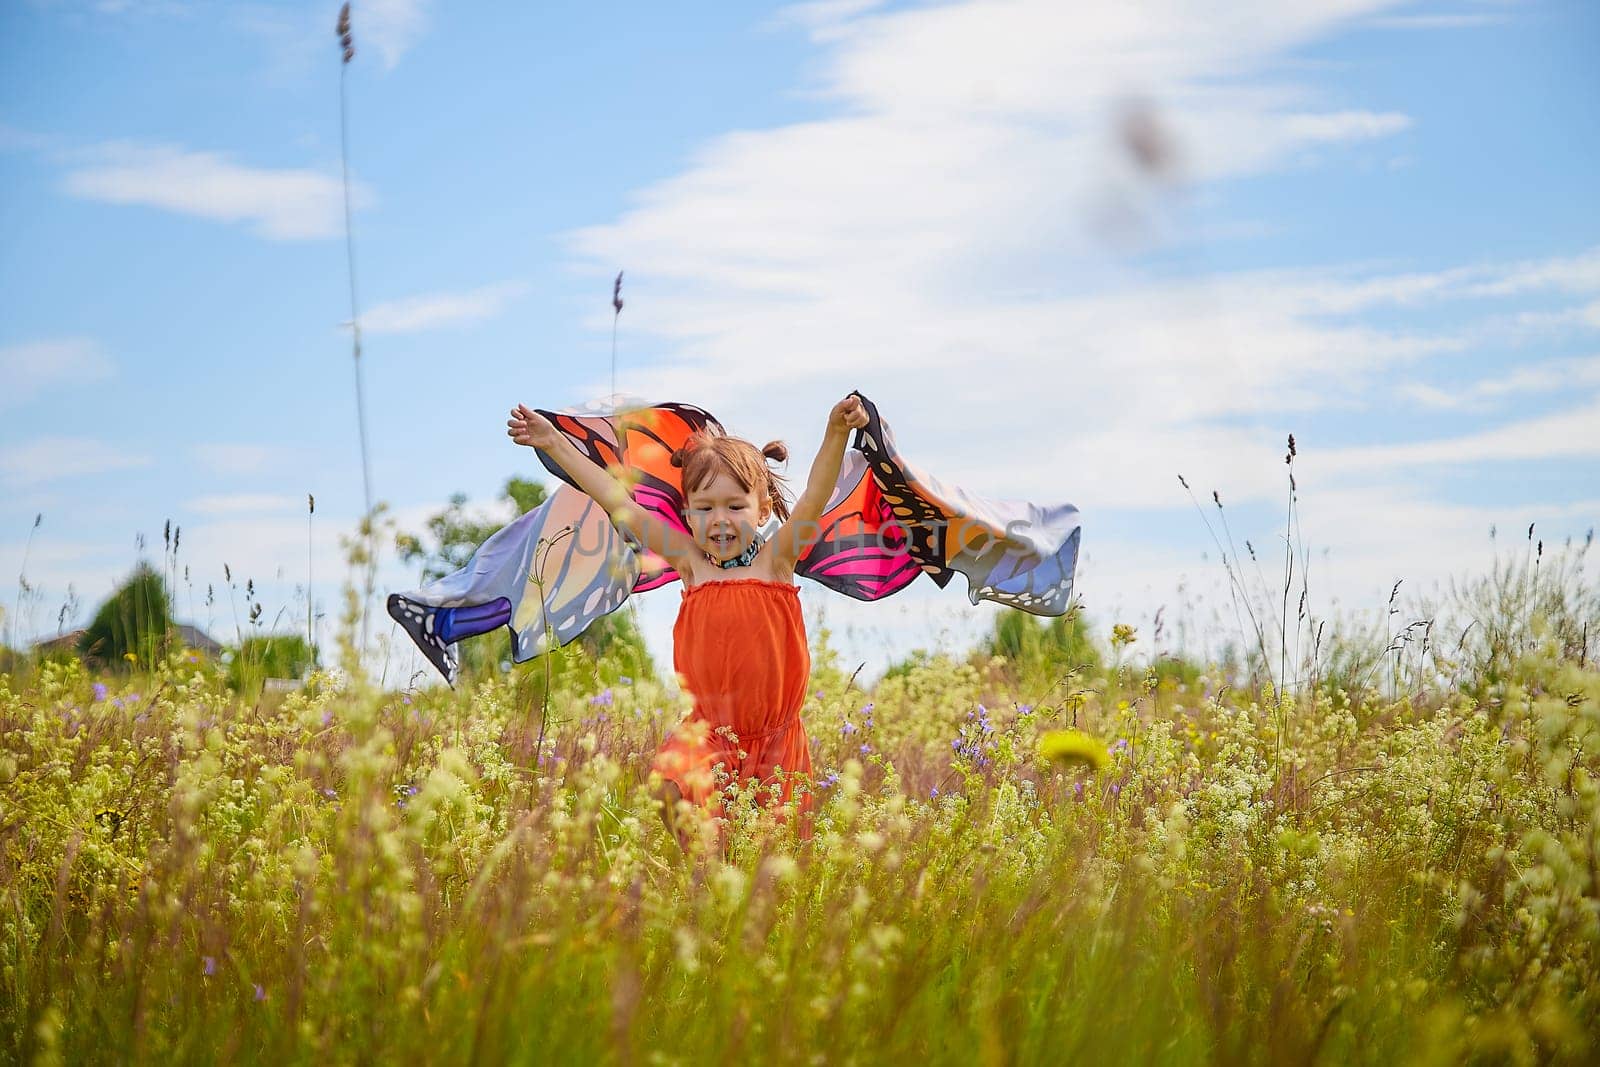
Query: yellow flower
(1123, 634)
(1073, 747)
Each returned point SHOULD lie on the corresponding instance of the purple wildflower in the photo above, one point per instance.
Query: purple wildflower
(210, 967)
(624, 679)
(603, 698)
(848, 728)
(261, 994)
(99, 692)
(933, 794)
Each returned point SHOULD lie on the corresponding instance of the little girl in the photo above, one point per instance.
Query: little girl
(739, 643)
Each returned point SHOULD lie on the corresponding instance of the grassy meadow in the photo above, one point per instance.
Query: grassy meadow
(1395, 861)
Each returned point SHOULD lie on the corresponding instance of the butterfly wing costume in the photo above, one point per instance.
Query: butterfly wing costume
(553, 571)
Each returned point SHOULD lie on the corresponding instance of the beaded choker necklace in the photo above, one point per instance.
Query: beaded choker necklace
(743, 559)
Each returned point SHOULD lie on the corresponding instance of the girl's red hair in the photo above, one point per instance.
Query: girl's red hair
(707, 454)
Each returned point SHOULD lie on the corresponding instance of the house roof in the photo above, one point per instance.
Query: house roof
(191, 635)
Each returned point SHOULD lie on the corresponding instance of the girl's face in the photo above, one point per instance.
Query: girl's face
(723, 518)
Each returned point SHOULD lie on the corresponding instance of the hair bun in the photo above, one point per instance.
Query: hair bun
(775, 450)
(679, 457)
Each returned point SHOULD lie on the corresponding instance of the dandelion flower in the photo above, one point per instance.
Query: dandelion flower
(1069, 748)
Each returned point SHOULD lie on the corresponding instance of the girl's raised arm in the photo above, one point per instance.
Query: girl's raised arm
(528, 427)
(802, 529)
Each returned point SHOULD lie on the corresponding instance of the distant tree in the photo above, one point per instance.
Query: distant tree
(136, 620)
(447, 545)
(269, 656)
(1038, 650)
(919, 659)
(453, 535)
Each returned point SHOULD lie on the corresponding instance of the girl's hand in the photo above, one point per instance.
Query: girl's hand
(527, 427)
(848, 414)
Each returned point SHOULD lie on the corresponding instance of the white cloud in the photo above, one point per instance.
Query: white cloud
(1571, 432)
(279, 204)
(31, 368)
(48, 459)
(1484, 394)
(393, 26)
(429, 311)
(1443, 21)
(1345, 126)
(1569, 274)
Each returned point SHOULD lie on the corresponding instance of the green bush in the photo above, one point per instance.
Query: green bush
(271, 656)
(1038, 653)
(134, 626)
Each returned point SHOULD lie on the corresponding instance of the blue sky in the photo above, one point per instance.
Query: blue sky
(1376, 231)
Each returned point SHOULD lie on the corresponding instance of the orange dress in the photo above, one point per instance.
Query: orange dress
(739, 646)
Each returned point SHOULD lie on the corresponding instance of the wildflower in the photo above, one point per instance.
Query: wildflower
(210, 965)
(99, 692)
(261, 994)
(1119, 745)
(848, 728)
(1073, 748)
(933, 794)
(625, 680)
(602, 698)
(1123, 634)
